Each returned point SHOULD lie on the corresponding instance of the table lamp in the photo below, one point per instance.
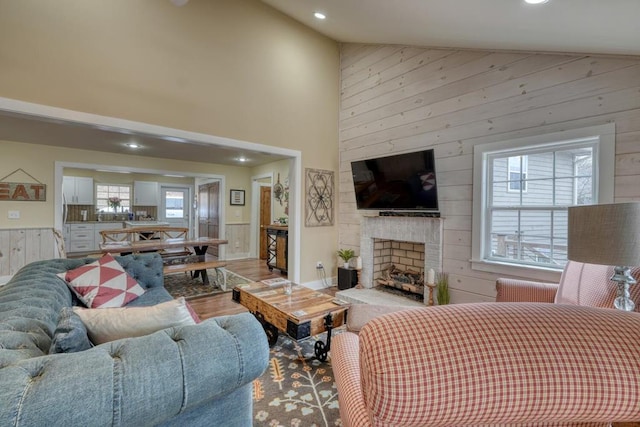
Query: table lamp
(607, 234)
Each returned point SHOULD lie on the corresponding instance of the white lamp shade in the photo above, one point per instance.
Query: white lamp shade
(605, 234)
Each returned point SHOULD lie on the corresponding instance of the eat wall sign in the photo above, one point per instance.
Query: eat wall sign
(23, 192)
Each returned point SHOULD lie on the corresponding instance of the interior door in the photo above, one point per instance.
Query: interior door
(175, 206)
(208, 213)
(265, 218)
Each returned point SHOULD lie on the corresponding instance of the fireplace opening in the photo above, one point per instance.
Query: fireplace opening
(399, 267)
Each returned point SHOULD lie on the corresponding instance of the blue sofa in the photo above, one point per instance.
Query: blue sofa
(197, 375)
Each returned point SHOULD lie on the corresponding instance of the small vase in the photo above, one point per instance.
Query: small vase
(346, 264)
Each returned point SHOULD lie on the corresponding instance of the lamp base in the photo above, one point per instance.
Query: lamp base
(622, 276)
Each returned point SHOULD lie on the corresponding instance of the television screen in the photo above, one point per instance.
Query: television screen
(398, 182)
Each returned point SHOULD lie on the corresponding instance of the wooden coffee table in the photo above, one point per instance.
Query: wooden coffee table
(300, 315)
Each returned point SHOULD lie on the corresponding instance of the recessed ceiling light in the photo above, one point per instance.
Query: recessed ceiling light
(242, 159)
(132, 145)
(320, 15)
(536, 1)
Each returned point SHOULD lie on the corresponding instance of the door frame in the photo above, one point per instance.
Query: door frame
(255, 211)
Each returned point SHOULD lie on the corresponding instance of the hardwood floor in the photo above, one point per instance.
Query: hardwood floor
(222, 304)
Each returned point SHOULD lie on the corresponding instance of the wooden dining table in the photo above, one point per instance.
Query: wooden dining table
(199, 245)
(195, 263)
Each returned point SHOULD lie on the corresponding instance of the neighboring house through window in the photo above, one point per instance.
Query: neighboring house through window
(523, 187)
(518, 166)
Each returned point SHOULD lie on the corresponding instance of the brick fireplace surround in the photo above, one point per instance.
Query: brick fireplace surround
(416, 230)
(427, 231)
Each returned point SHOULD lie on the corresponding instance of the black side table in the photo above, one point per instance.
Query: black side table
(347, 278)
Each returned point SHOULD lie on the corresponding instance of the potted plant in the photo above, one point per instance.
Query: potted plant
(442, 285)
(346, 255)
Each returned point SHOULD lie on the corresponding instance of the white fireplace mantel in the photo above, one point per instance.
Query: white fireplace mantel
(428, 231)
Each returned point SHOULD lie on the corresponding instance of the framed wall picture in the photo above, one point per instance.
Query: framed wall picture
(237, 197)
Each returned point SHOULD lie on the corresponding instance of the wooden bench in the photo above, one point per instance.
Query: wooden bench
(200, 268)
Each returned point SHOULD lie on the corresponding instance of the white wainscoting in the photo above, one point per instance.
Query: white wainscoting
(20, 246)
(238, 237)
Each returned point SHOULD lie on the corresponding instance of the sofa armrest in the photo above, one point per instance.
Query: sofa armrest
(137, 381)
(514, 290)
(360, 314)
(353, 411)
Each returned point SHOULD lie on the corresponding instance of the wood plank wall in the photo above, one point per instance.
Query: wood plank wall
(398, 99)
(19, 247)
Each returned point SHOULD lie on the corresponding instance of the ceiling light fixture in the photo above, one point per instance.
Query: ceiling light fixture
(242, 159)
(320, 15)
(132, 145)
(536, 1)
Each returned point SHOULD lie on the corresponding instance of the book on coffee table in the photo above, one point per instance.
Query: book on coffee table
(274, 282)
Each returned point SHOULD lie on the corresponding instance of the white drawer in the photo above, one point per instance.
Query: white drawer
(85, 235)
(81, 227)
(80, 246)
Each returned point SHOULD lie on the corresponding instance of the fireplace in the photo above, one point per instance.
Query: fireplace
(399, 266)
(417, 242)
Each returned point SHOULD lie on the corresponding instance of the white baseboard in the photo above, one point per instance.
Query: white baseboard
(238, 255)
(319, 284)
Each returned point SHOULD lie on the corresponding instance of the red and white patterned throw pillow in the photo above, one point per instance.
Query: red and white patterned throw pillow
(102, 284)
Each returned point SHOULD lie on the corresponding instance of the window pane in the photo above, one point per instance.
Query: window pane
(535, 236)
(560, 225)
(565, 191)
(503, 196)
(540, 165)
(504, 232)
(539, 193)
(174, 202)
(574, 162)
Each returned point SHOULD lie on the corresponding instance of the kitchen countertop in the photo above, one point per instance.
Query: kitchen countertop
(95, 222)
(146, 223)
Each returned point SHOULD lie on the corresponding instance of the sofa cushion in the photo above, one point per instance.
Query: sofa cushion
(590, 285)
(109, 324)
(102, 283)
(70, 335)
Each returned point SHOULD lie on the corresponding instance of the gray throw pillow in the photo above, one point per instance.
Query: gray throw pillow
(70, 335)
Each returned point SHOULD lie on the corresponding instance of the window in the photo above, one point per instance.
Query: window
(526, 186)
(518, 166)
(106, 191)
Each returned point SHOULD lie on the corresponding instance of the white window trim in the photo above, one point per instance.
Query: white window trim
(605, 152)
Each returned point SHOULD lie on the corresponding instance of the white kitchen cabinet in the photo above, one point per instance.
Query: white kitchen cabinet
(81, 238)
(78, 190)
(145, 193)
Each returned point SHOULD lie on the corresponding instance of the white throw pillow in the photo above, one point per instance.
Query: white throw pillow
(109, 324)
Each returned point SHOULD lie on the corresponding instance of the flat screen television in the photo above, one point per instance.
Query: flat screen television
(399, 182)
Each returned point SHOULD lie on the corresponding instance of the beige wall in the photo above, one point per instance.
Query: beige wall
(232, 68)
(402, 99)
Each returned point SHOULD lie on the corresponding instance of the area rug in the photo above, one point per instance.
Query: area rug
(183, 285)
(297, 390)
